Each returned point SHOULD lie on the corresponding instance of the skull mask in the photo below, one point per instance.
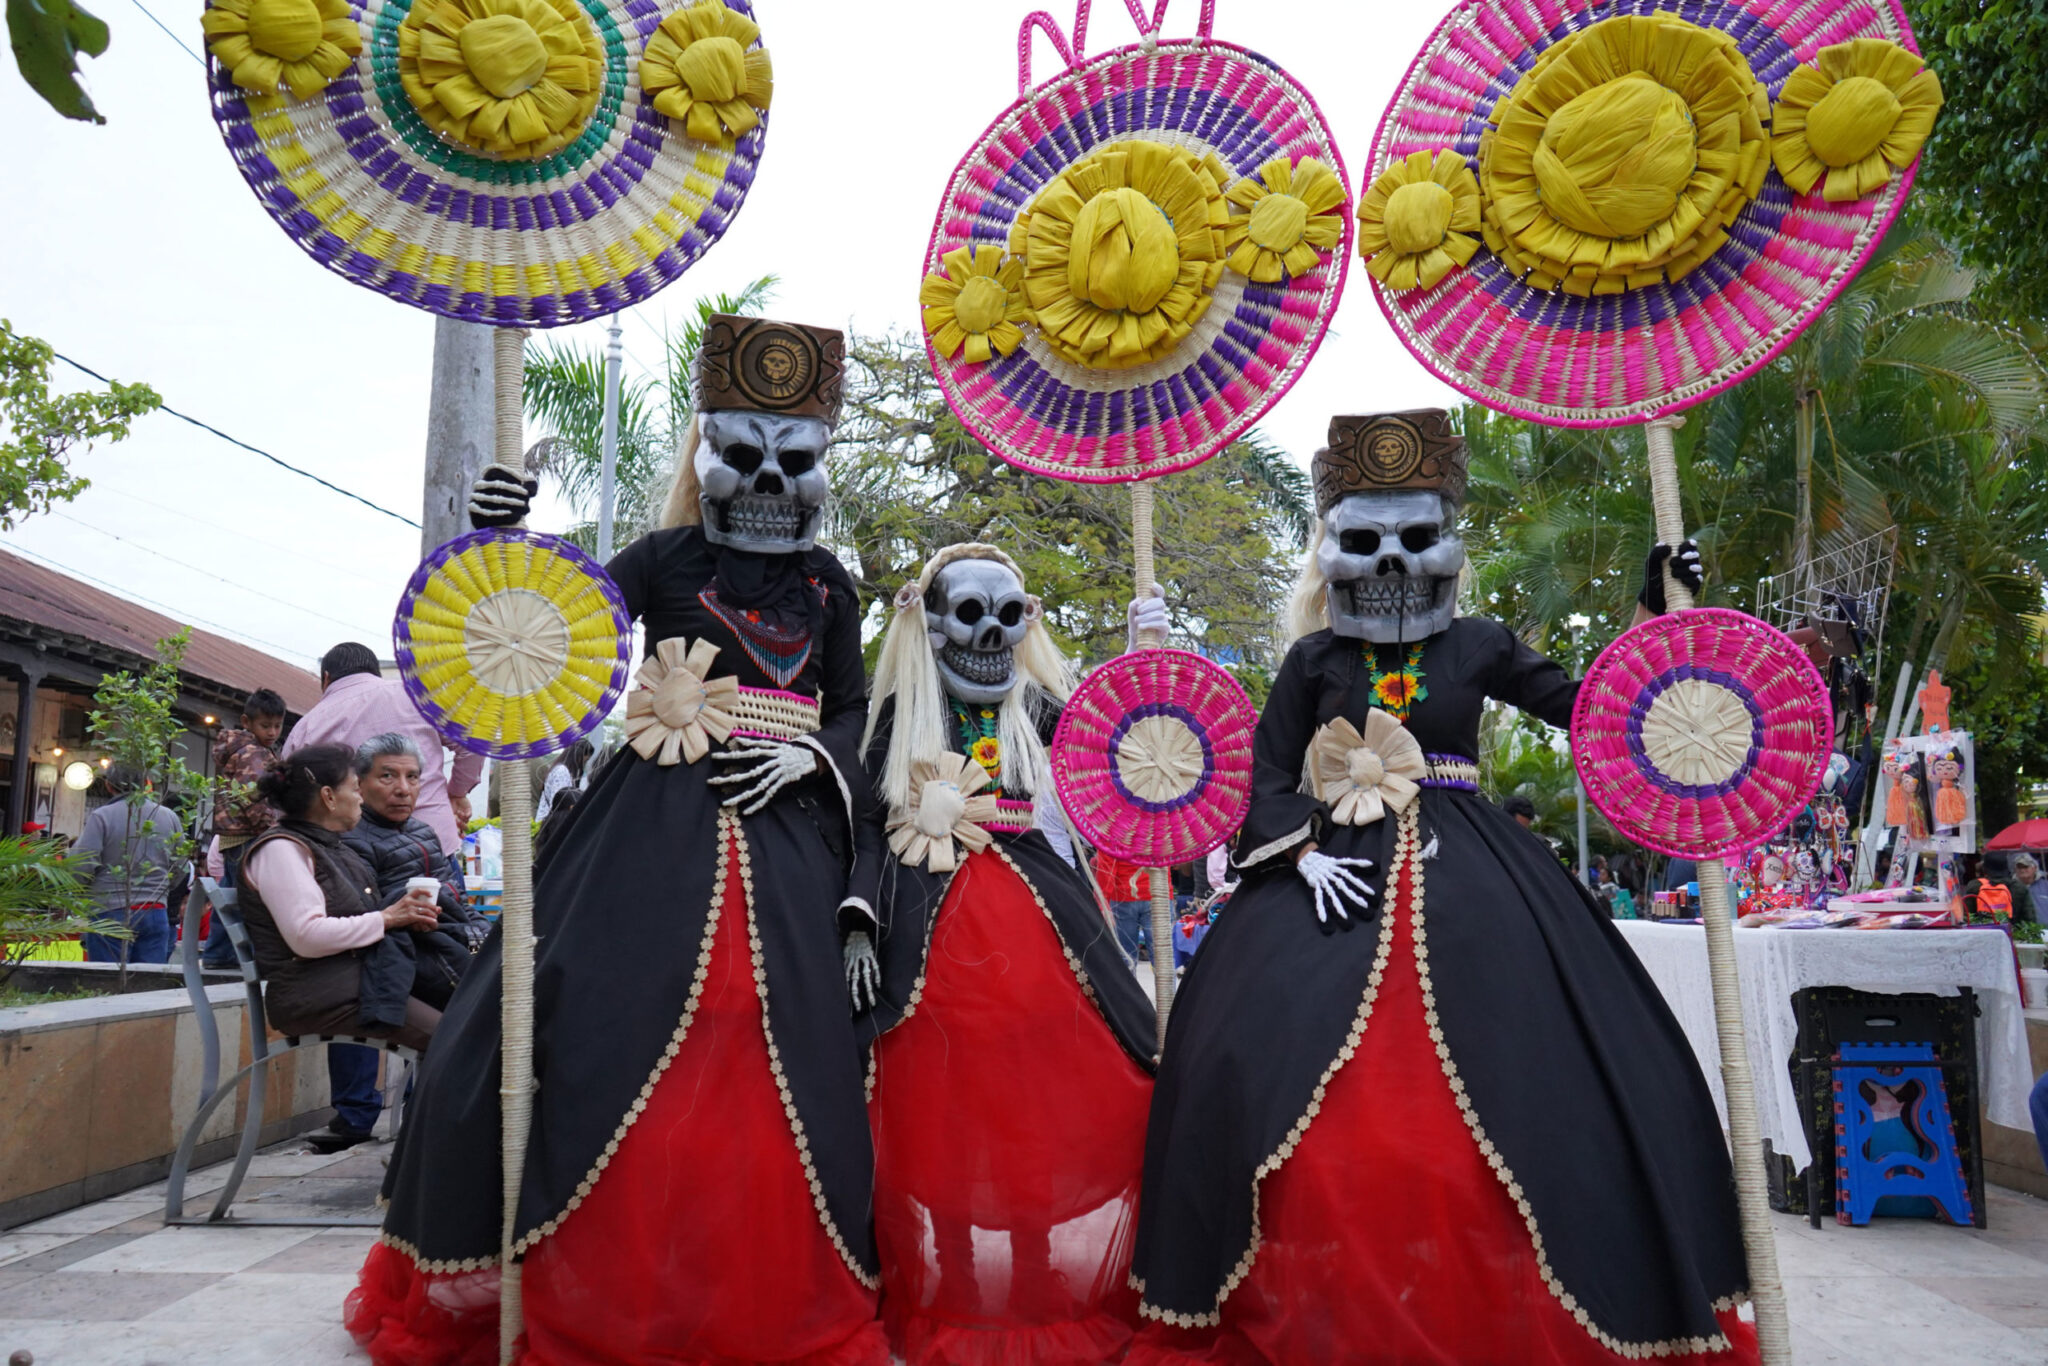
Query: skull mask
(762, 480)
(975, 614)
(1392, 560)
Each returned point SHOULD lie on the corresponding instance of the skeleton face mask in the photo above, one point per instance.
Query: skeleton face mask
(1392, 560)
(762, 480)
(975, 613)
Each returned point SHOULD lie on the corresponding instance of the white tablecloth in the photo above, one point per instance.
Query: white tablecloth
(1776, 963)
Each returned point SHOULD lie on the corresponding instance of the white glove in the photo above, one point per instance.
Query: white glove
(863, 974)
(1335, 883)
(501, 496)
(765, 768)
(1146, 614)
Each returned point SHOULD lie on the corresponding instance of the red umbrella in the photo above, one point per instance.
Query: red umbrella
(2031, 834)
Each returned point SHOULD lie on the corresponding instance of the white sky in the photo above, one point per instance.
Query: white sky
(136, 248)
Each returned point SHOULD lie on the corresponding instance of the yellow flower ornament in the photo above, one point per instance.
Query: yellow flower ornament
(947, 805)
(1859, 110)
(1121, 252)
(1364, 775)
(1290, 219)
(704, 72)
(302, 43)
(679, 709)
(1416, 220)
(975, 304)
(514, 79)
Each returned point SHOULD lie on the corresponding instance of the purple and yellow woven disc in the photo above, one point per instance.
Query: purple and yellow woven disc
(512, 643)
(1046, 413)
(1702, 733)
(1612, 359)
(1153, 757)
(359, 180)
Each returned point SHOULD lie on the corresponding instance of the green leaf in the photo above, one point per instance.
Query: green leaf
(47, 36)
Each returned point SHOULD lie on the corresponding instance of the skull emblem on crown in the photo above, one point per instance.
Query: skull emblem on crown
(1387, 489)
(975, 615)
(767, 398)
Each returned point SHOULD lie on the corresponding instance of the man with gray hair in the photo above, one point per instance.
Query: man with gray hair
(2026, 871)
(398, 845)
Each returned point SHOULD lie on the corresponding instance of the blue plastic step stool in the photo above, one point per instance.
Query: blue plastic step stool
(1933, 1172)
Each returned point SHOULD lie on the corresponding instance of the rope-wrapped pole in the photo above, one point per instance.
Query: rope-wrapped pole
(515, 813)
(1161, 881)
(1766, 1290)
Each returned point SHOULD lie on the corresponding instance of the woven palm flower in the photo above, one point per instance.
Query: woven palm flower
(947, 805)
(1362, 777)
(975, 304)
(303, 43)
(1415, 220)
(1291, 219)
(515, 79)
(1122, 250)
(1856, 111)
(704, 72)
(679, 709)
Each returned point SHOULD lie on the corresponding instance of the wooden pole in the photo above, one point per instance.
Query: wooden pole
(1161, 881)
(1766, 1290)
(515, 811)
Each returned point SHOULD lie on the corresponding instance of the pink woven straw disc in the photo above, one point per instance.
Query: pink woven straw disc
(1153, 757)
(1614, 359)
(1702, 733)
(1054, 416)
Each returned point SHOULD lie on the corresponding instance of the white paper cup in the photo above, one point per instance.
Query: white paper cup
(430, 885)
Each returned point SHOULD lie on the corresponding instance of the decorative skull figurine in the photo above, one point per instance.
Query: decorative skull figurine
(975, 614)
(1387, 489)
(1392, 561)
(767, 397)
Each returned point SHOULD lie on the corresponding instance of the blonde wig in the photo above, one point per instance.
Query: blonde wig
(1308, 606)
(683, 507)
(909, 672)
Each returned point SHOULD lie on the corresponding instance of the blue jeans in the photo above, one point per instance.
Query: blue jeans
(151, 944)
(2037, 1103)
(352, 1084)
(219, 951)
(1133, 928)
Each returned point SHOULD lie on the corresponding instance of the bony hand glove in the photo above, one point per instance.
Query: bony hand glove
(1146, 614)
(501, 496)
(761, 769)
(1336, 881)
(863, 973)
(1685, 567)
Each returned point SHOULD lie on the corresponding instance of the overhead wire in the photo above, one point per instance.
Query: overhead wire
(169, 34)
(297, 551)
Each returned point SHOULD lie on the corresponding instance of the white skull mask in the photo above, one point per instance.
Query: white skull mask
(762, 480)
(1392, 560)
(975, 614)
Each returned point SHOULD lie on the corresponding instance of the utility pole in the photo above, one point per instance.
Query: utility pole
(460, 428)
(614, 356)
(1579, 622)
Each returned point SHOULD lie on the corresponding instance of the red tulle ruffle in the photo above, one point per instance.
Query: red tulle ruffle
(404, 1318)
(1010, 1141)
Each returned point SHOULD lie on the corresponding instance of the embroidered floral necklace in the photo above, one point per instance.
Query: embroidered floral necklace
(978, 736)
(1395, 690)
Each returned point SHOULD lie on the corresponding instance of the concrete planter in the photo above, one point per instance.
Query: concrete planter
(99, 1090)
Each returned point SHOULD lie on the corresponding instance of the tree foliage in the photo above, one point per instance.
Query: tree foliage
(38, 429)
(47, 36)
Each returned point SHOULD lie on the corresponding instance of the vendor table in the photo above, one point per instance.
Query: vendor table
(1776, 963)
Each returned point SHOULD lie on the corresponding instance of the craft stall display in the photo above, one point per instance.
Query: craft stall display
(1596, 214)
(1130, 265)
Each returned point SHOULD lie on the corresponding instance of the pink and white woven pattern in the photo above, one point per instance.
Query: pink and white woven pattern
(1618, 359)
(1702, 733)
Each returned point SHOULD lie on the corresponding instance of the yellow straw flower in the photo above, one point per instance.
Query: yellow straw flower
(975, 303)
(1290, 219)
(704, 72)
(1415, 220)
(515, 79)
(303, 43)
(1121, 251)
(1619, 160)
(1858, 110)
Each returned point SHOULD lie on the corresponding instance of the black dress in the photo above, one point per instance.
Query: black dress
(1475, 1134)
(684, 951)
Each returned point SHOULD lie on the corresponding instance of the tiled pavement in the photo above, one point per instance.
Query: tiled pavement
(108, 1285)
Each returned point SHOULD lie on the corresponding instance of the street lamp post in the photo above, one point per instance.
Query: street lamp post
(1579, 622)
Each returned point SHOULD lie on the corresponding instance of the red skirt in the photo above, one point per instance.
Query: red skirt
(700, 1244)
(1009, 1143)
(1387, 1238)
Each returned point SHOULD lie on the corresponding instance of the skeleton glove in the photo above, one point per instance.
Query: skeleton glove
(1146, 615)
(863, 974)
(1684, 566)
(1335, 883)
(763, 768)
(500, 496)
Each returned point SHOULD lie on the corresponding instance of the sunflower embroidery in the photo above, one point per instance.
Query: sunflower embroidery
(1290, 219)
(974, 304)
(1857, 111)
(988, 752)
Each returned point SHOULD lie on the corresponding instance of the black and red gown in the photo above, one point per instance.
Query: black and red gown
(1460, 1128)
(699, 1166)
(1011, 1076)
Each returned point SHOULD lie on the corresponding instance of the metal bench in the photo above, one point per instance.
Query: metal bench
(262, 1051)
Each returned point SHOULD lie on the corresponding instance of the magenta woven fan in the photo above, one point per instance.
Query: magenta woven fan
(1702, 733)
(1549, 269)
(1138, 257)
(1153, 757)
